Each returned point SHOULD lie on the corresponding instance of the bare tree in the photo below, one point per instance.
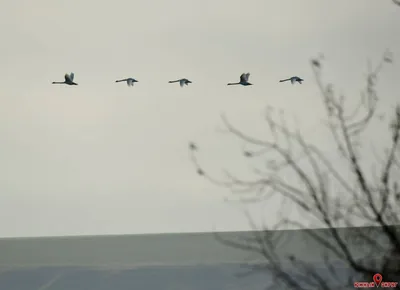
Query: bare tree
(366, 201)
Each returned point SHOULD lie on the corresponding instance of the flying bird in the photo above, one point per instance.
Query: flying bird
(129, 81)
(69, 80)
(293, 80)
(182, 82)
(244, 80)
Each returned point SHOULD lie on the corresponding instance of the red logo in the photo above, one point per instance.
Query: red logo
(378, 282)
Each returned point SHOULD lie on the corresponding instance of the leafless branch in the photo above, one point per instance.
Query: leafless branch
(322, 192)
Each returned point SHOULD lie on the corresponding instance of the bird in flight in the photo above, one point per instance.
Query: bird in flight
(293, 80)
(69, 80)
(182, 82)
(129, 81)
(244, 80)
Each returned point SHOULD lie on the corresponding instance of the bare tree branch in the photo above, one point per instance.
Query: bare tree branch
(323, 193)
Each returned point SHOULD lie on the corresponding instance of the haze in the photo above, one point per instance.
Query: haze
(105, 158)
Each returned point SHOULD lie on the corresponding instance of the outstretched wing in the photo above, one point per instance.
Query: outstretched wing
(71, 76)
(67, 78)
(293, 80)
(130, 82)
(182, 82)
(244, 77)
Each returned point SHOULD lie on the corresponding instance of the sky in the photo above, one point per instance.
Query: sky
(105, 158)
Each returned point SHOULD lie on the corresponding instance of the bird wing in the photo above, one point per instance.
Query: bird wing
(181, 82)
(129, 82)
(244, 77)
(293, 80)
(67, 78)
(71, 76)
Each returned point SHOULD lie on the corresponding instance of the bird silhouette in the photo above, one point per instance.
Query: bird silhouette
(182, 82)
(129, 81)
(69, 80)
(293, 80)
(244, 80)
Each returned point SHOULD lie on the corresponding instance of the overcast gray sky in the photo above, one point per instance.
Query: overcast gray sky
(104, 158)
